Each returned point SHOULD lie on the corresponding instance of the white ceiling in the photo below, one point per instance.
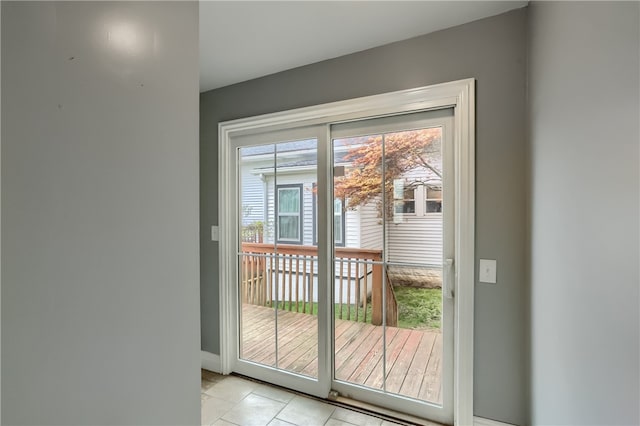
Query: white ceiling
(241, 40)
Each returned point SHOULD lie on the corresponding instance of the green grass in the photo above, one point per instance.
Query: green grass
(418, 308)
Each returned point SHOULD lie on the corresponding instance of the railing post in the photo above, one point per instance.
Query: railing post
(376, 295)
(392, 305)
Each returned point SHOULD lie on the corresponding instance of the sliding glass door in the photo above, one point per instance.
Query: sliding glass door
(343, 256)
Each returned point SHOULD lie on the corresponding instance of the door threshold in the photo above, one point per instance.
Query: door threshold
(384, 412)
(354, 405)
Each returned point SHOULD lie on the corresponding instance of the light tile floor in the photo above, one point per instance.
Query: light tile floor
(231, 400)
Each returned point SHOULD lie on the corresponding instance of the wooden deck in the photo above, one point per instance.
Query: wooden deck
(413, 360)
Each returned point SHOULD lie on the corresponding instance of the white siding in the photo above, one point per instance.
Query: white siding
(252, 193)
(352, 228)
(423, 174)
(370, 227)
(418, 239)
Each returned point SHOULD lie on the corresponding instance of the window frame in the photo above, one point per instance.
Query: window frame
(314, 212)
(403, 202)
(427, 199)
(300, 214)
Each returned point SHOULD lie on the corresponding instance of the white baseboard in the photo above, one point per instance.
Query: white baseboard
(211, 362)
(481, 421)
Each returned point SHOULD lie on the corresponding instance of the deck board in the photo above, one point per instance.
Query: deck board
(398, 372)
(430, 389)
(418, 367)
(413, 363)
(348, 358)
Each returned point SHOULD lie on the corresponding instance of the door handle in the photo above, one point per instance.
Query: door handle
(448, 279)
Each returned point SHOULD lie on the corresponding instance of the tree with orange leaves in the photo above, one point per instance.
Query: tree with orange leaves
(400, 153)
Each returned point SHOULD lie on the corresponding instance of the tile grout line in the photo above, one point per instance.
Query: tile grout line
(333, 404)
(377, 415)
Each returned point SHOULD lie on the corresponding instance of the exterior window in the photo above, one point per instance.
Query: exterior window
(338, 220)
(404, 201)
(289, 213)
(433, 200)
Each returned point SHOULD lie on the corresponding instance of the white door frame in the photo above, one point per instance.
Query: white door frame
(443, 119)
(458, 94)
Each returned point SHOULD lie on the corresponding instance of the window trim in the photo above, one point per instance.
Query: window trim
(343, 214)
(427, 199)
(300, 214)
(314, 212)
(414, 200)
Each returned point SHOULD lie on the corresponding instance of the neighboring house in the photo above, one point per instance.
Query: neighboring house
(285, 196)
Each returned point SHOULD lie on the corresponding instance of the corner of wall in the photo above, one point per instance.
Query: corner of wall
(0, 216)
(211, 362)
(528, 204)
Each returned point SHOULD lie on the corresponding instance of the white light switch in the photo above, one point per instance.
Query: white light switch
(215, 233)
(487, 271)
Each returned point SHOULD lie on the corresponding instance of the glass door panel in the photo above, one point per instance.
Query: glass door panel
(414, 355)
(413, 263)
(297, 332)
(390, 175)
(277, 260)
(257, 261)
(358, 268)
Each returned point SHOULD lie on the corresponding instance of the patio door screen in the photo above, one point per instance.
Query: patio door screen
(392, 322)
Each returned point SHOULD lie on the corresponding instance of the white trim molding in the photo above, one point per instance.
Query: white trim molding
(481, 421)
(210, 361)
(464, 143)
(459, 95)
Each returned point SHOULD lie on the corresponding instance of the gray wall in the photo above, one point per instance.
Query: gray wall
(584, 204)
(100, 316)
(0, 219)
(493, 51)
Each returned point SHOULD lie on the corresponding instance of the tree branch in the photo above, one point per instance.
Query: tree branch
(429, 166)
